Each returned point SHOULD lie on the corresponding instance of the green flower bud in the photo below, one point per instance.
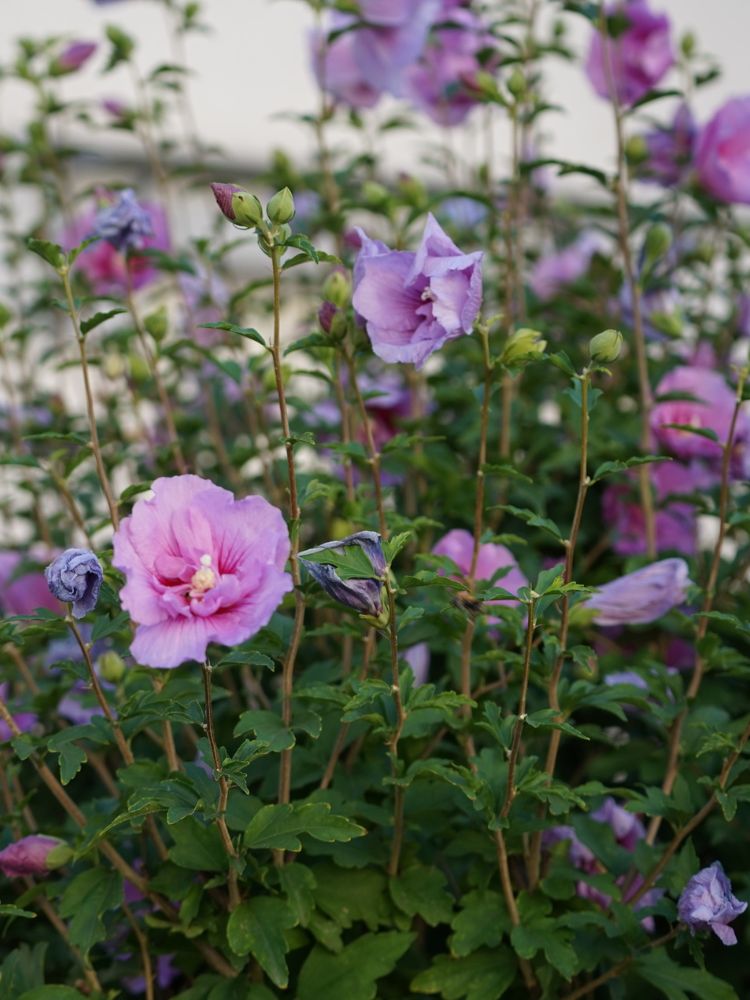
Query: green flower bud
(156, 323)
(636, 149)
(113, 364)
(523, 346)
(374, 195)
(58, 856)
(111, 666)
(658, 242)
(517, 83)
(247, 209)
(605, 347)
(138, 368)
(337, 288)
(280, 208)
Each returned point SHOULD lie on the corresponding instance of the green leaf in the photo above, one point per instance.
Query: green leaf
(248, 332)
(85, 900)
(610, 468)
(257, 928)
(705, 432)
(8, 910)
(51, 252)
(197, 847)
(279, 827)
(351, 896)
(104, 626)
(482, 921)
(305, 343)
(354, 972)
(268, 728)
(421, 891)
(298, 882)
(98, 318)
(485, 975)
(676, 981)
(533, 519)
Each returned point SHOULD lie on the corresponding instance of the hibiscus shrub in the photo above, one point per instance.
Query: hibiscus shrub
(374, 568)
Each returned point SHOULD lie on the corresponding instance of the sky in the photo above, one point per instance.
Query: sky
(250, 73)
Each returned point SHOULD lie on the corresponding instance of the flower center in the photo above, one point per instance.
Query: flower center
(427, 295)
(204, 578)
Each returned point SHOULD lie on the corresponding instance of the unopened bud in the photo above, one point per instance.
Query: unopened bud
(280, 208)
(337, 289)
(605, 346)
(111, 666)
(156, 323)
(113, 364)
(523, 345)
(636, 149)
(374, 195)
(658, 242)
(139, 370)
(238, 205)
(517, 83)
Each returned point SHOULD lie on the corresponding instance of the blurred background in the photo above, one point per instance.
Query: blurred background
(250, 73)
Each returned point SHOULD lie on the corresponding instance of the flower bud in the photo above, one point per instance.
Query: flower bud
(36, 854)
(113, 364)
(374, 195)
(280, 208)
(605, 347)
(139, 370)
(111, 666)
(658, 242)
(522, 346)
(72, 58)
(517, 83)
(156, 323)
(75, 578)
(338, 289)
(238, 205)
(636, 149)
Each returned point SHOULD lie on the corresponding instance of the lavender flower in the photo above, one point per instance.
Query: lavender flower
(643, 596)
(669, 149)
(722, 152)
(362, 594)
(418, 658)
(413, 303)
(637, 59)
(33, 855)
(707, 903)
(124, 225)
(72, 57)
(75, 578)
(554, 271)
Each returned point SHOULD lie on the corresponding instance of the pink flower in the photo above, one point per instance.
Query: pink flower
(722, 152)
(201, 567)
(105, 268)
(554, 271)
(458, 545)
(72, 57)
(711, 409)
(639, 57)
(36, 854)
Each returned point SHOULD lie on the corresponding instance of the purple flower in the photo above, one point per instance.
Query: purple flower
(337, 69)
(626, 826)
(722, 152)
(676, 523)
(166, 972)
(742, 316)
(670, 150)
(711, 410)
(413, 303)
(418, 658)
(642, 596)
(22, 590)
(458, 545)
(361, 593)
(36, 854)
(206, 298)
(107, 270)
(554, 271)
(443, 82)
(707, 903)
(201, 567)
(639, 57)
(75, 577)
(125, 224)
(73, 57)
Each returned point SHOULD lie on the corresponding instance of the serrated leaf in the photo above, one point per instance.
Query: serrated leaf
(248, 332)
(422, 891)
(85, 901)
(676, 982)
(485, 975)
(354, 972)
(279, 827)
(197, 847)
(98, 318)
(51, 252)
(257, 928)
(268, 728)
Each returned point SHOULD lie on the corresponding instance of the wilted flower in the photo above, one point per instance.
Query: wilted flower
(75, 577)
(443, 83)
(710, 410)
(72, 57)
(707, 903)
(642, 596)
(413, 303)
(36, 854)
(722, 152)
(554, 271)
(125, 224)
(22, 590)
(201, 567)
(107, 270)
(361, 593)
(638, 58)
